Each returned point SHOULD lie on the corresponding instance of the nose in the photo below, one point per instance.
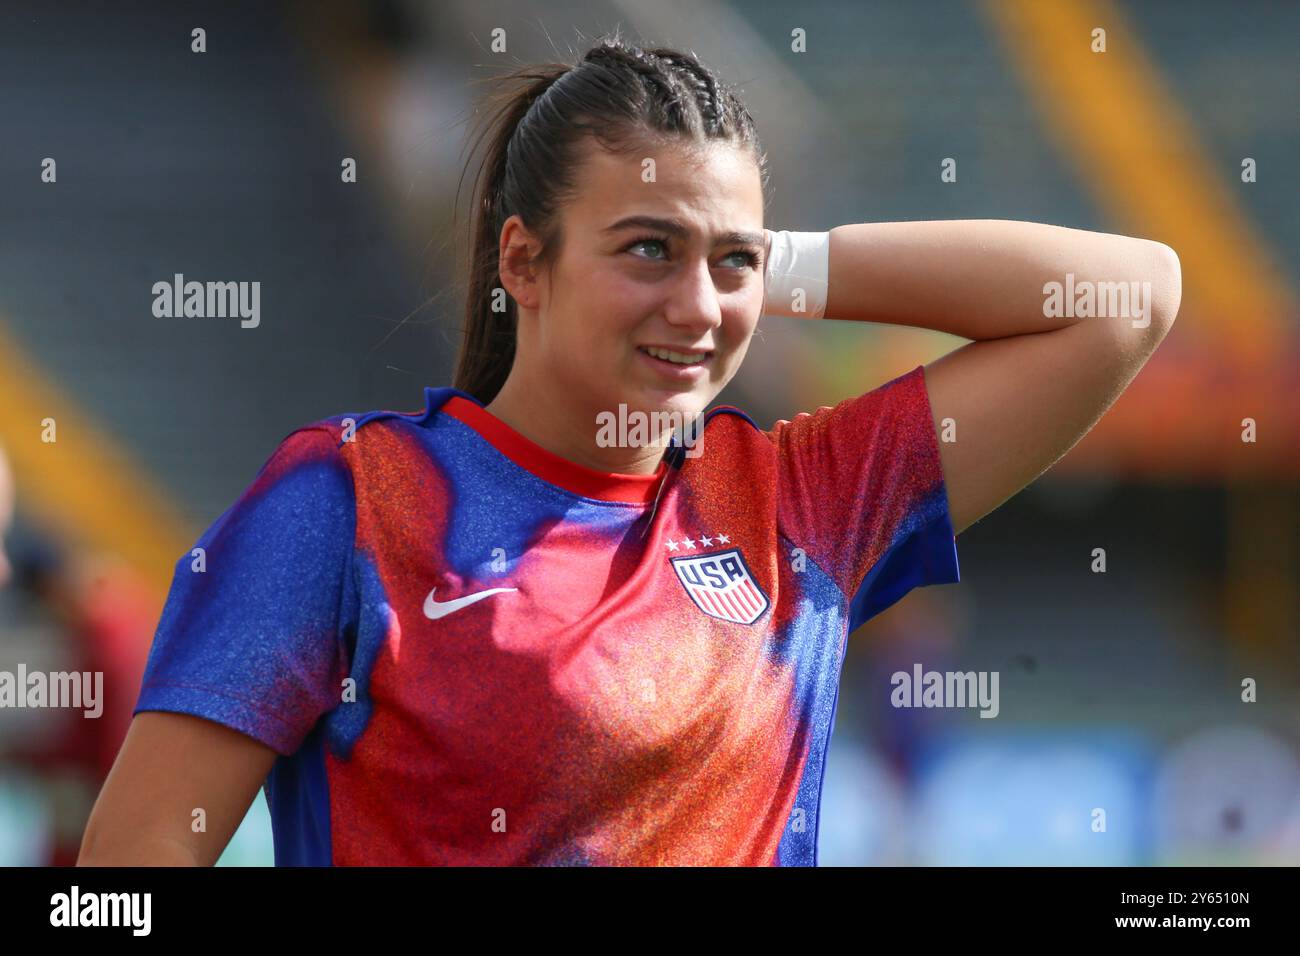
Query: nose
(694, 304)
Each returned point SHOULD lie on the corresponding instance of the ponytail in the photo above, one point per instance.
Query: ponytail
(487, 350)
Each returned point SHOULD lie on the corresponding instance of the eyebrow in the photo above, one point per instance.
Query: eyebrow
(675, 227)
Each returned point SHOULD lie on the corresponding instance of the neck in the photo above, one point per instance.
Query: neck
(562, 425)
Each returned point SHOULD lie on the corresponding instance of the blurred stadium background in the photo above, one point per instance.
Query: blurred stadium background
(1120, 691)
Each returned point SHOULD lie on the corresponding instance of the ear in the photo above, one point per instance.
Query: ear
(518, 247)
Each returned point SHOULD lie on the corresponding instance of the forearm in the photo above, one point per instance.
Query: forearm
(989, 278)
(143, 850)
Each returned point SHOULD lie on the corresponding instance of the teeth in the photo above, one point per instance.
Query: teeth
(681, 358)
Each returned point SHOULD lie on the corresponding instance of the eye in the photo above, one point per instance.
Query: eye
(750, 259)
(660, 241)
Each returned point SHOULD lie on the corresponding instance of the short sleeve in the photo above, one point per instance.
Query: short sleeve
(860, 488)
(252, 635)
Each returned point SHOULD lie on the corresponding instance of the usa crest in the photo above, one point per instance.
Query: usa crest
(722, 586)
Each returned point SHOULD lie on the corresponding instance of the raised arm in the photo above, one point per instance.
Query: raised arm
(1062, 320)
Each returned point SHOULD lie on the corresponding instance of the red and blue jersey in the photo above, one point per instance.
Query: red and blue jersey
(468, 650)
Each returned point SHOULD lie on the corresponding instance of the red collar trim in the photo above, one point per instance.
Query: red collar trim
(579, 479)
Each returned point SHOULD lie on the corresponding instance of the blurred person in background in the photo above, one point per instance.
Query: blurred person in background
(103, 615)
(8, 501)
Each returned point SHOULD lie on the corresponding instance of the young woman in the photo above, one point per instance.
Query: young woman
(498, 631)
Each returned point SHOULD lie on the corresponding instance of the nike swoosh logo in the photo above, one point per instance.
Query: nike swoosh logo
(436, 609)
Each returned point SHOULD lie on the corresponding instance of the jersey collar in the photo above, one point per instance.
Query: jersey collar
(538, 461)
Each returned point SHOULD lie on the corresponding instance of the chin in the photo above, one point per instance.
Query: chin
(687, 404)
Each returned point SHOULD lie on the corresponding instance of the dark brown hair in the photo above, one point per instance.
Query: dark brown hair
(619, 95)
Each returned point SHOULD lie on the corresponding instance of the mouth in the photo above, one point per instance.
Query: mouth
(679, 364)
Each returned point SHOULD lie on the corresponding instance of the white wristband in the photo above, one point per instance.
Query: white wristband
(798, 270)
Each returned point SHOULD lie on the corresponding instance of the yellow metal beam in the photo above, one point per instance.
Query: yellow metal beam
(81, 485)
(1129, 141)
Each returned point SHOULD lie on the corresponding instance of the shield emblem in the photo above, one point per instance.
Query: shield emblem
(722, 586)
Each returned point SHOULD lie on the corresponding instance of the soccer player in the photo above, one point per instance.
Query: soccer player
(496, 630)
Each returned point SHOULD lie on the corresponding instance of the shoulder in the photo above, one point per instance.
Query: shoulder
(727, 441)
(731, 422)
(367, 451)
(860, 415)
(337, 436)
